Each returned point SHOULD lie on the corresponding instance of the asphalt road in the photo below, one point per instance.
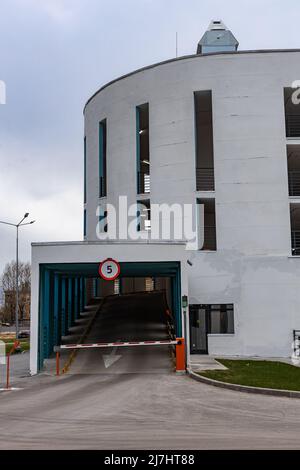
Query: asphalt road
(124, 407)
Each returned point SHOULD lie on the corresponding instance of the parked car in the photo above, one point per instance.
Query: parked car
(24, 334)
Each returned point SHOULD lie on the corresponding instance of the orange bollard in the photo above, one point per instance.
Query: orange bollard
(180, 355)
(57, 363)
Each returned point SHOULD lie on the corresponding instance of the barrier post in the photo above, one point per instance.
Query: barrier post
(57, 362)
(180, 355)
(57, 359)
(15, 346)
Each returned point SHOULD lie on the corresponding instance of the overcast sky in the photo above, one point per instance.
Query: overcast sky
(55, 53)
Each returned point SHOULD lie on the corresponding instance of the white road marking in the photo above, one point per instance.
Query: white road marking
(110, 359)
(11, 389)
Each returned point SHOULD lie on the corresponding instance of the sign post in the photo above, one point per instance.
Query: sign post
(109, 269)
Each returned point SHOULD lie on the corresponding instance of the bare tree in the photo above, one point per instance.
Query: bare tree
(9, 288)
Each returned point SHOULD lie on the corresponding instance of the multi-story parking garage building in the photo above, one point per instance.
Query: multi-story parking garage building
(220, 128)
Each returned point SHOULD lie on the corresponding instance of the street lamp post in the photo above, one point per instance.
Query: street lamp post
(17, 226)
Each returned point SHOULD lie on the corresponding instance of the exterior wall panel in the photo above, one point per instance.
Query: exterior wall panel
(251, 267)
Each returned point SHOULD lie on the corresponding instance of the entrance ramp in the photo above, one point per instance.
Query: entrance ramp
(139, 317)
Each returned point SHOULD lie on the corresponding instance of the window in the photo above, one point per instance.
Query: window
(117, 286)
(149, 284)
(144, 215)
(103, 221)
(102, 158)
(209, 319)
(84, 223)
(221, 319)
(84, 172)
(292, 113)
(295, 228)
(210, 235)
(204, 141)
(142, 149)
(293, 161)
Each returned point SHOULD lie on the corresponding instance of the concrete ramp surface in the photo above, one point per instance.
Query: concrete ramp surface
(132, 317)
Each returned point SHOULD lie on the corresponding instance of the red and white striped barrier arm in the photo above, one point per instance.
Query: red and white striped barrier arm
(116, 343)
(179, 342)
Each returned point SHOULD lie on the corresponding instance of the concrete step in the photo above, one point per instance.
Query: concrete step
(201, 362)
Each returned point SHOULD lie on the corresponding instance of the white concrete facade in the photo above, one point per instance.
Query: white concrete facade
(252, 267)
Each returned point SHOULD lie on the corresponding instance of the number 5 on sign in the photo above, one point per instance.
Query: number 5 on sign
(109, 269)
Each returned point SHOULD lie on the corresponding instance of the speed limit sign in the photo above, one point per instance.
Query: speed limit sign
(109, 269)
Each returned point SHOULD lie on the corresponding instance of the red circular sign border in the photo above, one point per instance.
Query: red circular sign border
(109, 278)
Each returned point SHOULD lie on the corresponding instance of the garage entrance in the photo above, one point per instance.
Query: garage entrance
(66, 288)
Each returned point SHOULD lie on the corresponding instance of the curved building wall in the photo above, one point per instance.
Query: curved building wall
(251, 267)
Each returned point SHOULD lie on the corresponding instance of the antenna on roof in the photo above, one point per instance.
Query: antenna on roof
(176, 44)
